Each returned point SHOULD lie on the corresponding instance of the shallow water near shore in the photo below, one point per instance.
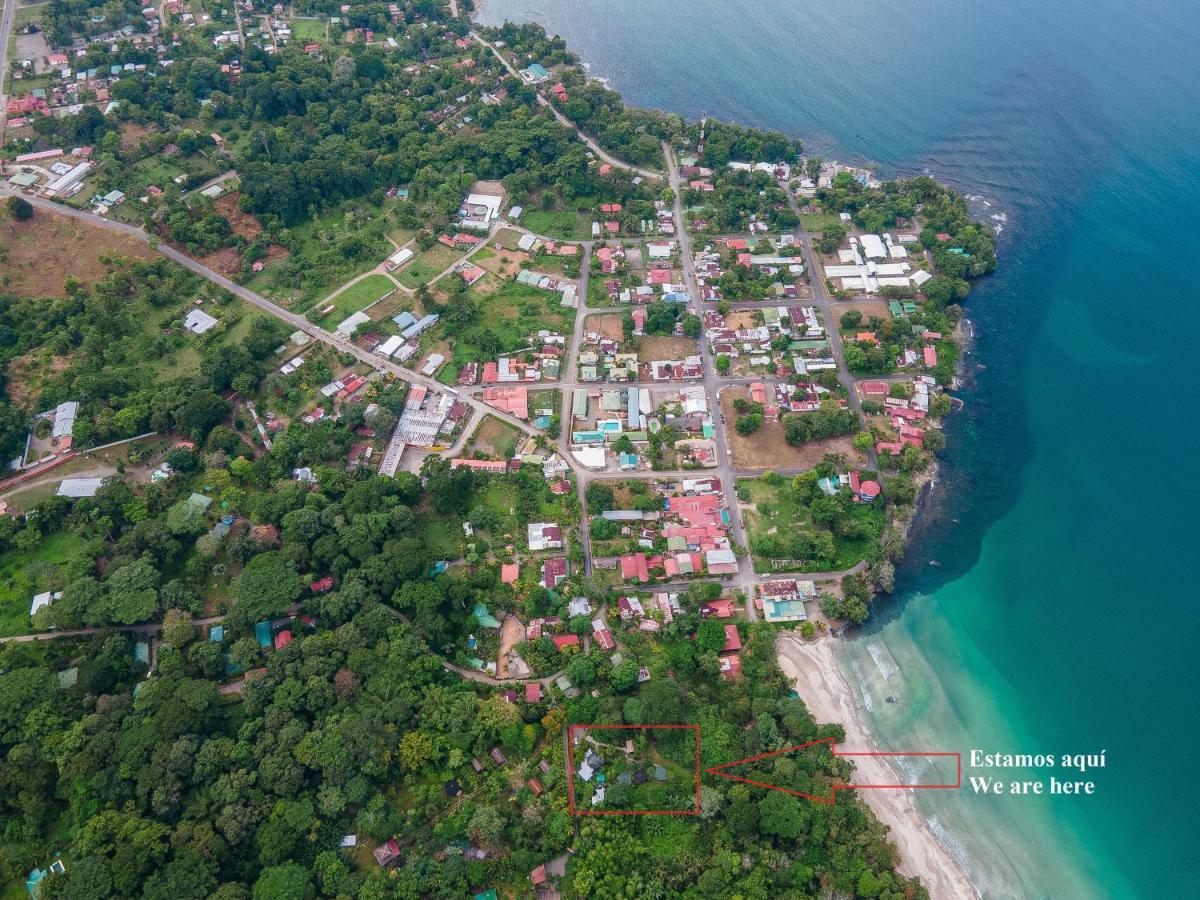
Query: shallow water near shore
(1062, 617)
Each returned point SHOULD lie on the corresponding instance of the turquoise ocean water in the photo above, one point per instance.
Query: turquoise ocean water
(1064, 616)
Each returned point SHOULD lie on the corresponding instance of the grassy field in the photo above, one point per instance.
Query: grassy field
(775, 508)
(561, 223)
(500, 496)
(358, 296)
(654, 347)
(319, 241)
(818, 221)
(25, 573)
(597, 293)
(507, 316)
(307, 31)
(443, 535)
(495, 438)
(427, 264)
(44, 250)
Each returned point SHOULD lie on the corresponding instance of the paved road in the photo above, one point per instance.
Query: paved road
(746, 579)
(297, 321)
(567, 419)
(831, 316)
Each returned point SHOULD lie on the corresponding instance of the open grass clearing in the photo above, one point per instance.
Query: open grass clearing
(309, 31)
(568, 224)
(40, 253)
(495, 438)
(608, 325)
(506, 317)
(767, 448)
(358, 296)
(654, 347)
(25, 573)
(819, 221)
(427, 264)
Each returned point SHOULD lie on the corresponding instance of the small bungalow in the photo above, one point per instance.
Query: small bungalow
(387, 854)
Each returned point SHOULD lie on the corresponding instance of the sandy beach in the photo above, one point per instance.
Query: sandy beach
(814, 673)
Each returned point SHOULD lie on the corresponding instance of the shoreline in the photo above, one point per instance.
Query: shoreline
(813, 671)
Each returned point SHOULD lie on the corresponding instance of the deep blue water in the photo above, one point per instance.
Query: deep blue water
(1063, 617)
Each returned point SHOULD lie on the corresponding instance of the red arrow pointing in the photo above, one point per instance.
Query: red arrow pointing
(721, 771)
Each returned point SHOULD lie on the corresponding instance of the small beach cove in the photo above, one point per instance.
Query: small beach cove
(813, 670)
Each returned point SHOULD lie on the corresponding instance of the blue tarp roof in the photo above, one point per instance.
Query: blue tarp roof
(262, 631)
(486, 619)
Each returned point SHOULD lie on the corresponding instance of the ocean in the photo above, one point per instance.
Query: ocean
(1062, 616)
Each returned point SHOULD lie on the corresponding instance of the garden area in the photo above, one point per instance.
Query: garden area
(793, 526)
(25, 572)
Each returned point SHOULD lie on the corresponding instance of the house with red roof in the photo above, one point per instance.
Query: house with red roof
(731, 666)
(731, 660)
(544, 536)
(497, 466)
(471, 274)
(387, 854)
(283, 639)
(322, 585)
(509, 573)
(635, 566)
(914, 437)
(722, 609)
(604, 638)
(533, 692)
(733, 640)
(605, 168)
(469, 373)
(513, 400)
(930, 357)
(699, 511)
(563, 641)
(554, 571)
